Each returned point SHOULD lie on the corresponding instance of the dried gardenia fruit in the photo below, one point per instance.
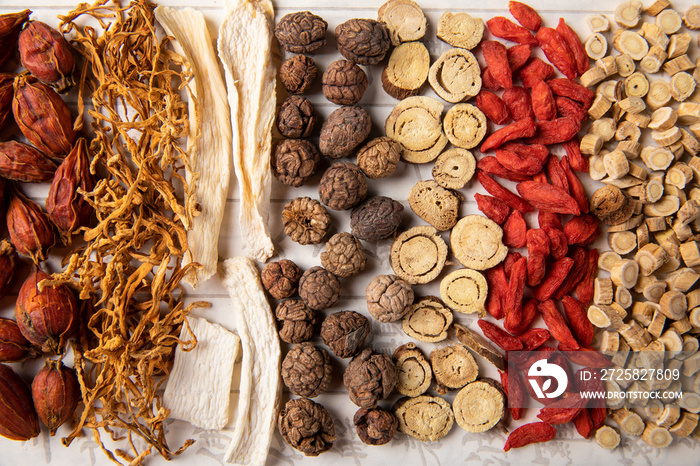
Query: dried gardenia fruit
(65, 203)
(8, 265)
(342, 186)
(296, 118)
(306, 426)
(375, 219)
(13, 346)
(307, 370)
(345, 332)
(281, 278)
(364, 41)
(10, 25)
(46, 317)
(369, 377)
(30, 229)
(344, 255)
(298, 321)
(43, 117)
(47, 55)
(375, 426)
(7, 92)
(22, 162)
(305, 220)
(56, 394)
(295, 161)
(18, 420)
(319, 289)
(301, 32)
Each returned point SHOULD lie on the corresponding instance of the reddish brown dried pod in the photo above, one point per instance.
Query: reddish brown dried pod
(13, 346)
(56, 394)
(22, 162)
(8, 265)
(47, 55)
(18, 419)
(7, 93)
(31, 231)
(10, 25)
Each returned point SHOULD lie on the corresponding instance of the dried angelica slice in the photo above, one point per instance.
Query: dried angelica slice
(209, 143)
(428, 320)
(455, 75)
(416, 123)
(465, 125)
(465, 291)
(199, 385)
(477, 242)
(261, 383)
(425, 418)
(478, 406)
(418, 255)
(244, 45)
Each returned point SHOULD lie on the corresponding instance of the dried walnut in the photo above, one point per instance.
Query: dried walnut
(295, 161)
(307, 370)
(375, 426)
(342, 186)
(298, 74)
(319, 289)
(298, 321)
(301, 32)
(344, 82)
(344, 130)
(379, 157)
(306, 426)
(364, 41)
(369, 377)
(296, 118)
(345, 332)
(344, 255)
(388, 298)
(281, 278)
(376, 219)
(305, 220)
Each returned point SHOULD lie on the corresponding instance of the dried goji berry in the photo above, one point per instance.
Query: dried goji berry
(584, 423)
(525, 15)
(514, 230)
(493, 107)
(498, 286)
(554, 320)
(496, 58)
(524, 164)
(524, 128)
(538, 151)
(576, 314)
(576, 188)
(585, 356)
(558, 246)
(535, 70)
(581, 230)
(563, 410)
(557, 52)
(575, 45)
(499, 192)
(553, 279)
(493, 208)
(511, 258)
(487, 80)
(549, 219)
(492, 166)
(515, 392)
(567, 88)
(518, 55)
(573, 151)
(529, 312)
(499, 336)
(513, 303)
(538, 250)
(535, 432)
(534, 338)
(586, 287)
(568, 108)
(504, 28)
(555, 131)
(543, 104)
(556, 174)
(580, 257)
(518, 102)
(547, 197)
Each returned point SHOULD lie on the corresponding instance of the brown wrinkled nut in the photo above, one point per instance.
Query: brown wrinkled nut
(369, 377)
(375, 426)
(295, 161)
(611, 205)
(56, 394)
(307, 370)
(364, 41)
(298, 74)
(18, 419)
(344, 82)
(31, 231)
(7, 93)
(22, 162)
(342, 186)
(8, 265)
(379, 157)
(344, 255)
(281, 278)
(375, 219)
(306, 426)
(344, 130)
(319, 289)
(305, 220)
(301, 32)
(388, 298)
(345, 332)
(296, 118)
(47, 55)
(298, 321)
(10, 25)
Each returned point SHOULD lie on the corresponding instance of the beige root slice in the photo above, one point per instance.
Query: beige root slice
(460, 30)
(465, 125)
(427, 320)
(453, 366)
(465, 291)
(407, 70)
(416, 123)
(425, 418)
(404, 19)
(454, 168)
(418, 255)
(455, 75)
(607, 437)
(478, 407)
(434, 204)
(477, 242)
(413, 373)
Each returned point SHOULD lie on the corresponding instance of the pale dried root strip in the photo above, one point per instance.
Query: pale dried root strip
(244, 47)
(453, 366)
(477, 242)
(478, 407)
(607, 437)
(209, 144)
(425, 418)
(628, 14)
(407, 70)
(427, 320)
(691, 17)
(455, 75)
(418, 255)
(460, 30)
(454, 168)
(416, 123)
(465, 125)
(479, 345)
(413, 372)
(404, 19)
(465, 291)
(598, 23)
(596, 46)
(260, 366)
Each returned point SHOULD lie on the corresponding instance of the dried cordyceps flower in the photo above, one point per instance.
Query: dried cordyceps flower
(47, 55)
(379, 157)
(30, 229)
(18, 420)
(307, 370)
(388, 298)
(344, 82)
(42, 116)
(345, 332)
(56, 394)
(25, 163)
(295, 161)
(7, 92)
(8, 265)
(281, 278)
(13, 346)
(319, 289)
(364, 41)
(301, 32)
(344, 255)
(342, 186)
(369, 377)
(298, 320)
(10, 25)
(47, 317)
(296, 118)
(298, 74)
(375, 219)
(305, 220)
(66, 204)
(306, 426)
(375, 426)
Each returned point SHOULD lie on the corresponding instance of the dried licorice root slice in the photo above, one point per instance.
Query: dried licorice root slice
(465, 291)
(465, 125)
(425, 418)
(407, 70)
(454, 168)
(413, 372)
(477, 242)
(460, 30)
(453, 366)
(404, 19)
(478, 406)
(434, 204)
(455, 75)
(428, 320)
(418, 255)
(416, 123)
